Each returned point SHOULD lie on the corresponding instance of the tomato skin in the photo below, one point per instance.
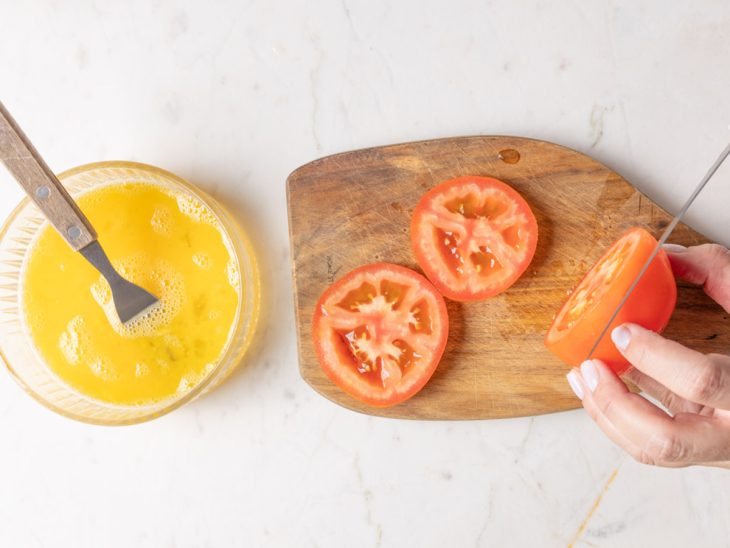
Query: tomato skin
(435, 268)
(334, 360)
(650, 305)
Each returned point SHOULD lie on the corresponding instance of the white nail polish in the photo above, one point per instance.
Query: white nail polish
(575, 384)
(674, 248)
(590, 374)
(621, 337)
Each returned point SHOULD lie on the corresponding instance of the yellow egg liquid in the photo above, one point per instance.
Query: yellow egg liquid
(171, 244)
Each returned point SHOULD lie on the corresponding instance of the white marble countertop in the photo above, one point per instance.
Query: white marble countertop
(233, 96)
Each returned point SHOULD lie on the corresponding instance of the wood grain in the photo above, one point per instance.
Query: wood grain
(354, 208)
(41, 185)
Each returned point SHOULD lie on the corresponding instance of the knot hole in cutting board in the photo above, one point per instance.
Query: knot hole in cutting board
(509, 156)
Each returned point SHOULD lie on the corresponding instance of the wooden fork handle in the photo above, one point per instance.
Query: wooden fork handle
(26, 165)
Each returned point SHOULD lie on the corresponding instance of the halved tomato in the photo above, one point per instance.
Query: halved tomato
(580, 321)
(473, 237)
(379, 332)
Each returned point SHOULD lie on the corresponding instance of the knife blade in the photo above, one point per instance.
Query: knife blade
(665, 235)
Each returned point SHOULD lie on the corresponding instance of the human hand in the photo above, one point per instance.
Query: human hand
(694, 387)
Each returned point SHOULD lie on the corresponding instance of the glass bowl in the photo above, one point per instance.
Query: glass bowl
(16, 349)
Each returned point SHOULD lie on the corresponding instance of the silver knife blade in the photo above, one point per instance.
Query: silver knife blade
(665, 235)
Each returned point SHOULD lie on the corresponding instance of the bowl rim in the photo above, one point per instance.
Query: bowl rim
(229, 225)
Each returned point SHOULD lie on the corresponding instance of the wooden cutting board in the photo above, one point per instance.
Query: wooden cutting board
(354, 208)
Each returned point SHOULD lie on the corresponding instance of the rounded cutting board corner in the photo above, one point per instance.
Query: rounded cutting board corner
(354, 208)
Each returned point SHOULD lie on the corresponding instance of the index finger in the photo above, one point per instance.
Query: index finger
(707, 265)
(697, 377)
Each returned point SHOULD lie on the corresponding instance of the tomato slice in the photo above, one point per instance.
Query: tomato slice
(473, 237)
(580, 321)
(379, 333)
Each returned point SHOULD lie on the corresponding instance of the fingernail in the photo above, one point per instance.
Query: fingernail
(590, 374)
(575, 384)
(621, 337)
(673, 248)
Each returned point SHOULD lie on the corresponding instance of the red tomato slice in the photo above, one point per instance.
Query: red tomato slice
(580, 321)
(473, 237)
(379, 332)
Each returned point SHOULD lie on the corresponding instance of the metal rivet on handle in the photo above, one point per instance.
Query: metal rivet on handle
(42, 192)
(73, 232)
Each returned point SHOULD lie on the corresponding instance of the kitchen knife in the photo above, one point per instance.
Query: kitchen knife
(667, 232)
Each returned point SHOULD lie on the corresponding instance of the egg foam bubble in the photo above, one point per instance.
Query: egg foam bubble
(157, 276)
